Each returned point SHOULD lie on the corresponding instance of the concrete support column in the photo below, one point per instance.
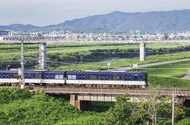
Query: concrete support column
(80, 105)
(142, 51)
(72, 100)
(42, 56)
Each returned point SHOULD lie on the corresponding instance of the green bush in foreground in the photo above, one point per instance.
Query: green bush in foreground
(38, 109)
(25, 108)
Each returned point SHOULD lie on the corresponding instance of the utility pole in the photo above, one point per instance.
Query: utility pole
(173, 105)
(22, 64)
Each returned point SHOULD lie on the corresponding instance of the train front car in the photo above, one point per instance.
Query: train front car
(102, 79)
(32, 78)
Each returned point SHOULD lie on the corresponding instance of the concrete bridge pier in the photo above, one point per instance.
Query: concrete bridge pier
(42, 56)
(80, 105)
(142, 51)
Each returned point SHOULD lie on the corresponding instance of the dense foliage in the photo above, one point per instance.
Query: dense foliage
(152, 110)
(21, 107)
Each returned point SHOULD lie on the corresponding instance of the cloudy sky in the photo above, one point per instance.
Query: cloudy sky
(47, 12)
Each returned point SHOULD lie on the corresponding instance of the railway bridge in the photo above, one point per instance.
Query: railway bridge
(81, 97)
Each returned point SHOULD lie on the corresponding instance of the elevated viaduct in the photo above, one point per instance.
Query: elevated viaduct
(81, 97)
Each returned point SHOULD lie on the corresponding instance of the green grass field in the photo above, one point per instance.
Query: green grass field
(163, 75)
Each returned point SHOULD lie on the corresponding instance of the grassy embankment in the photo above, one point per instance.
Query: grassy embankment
(81, 53)
(85, 52)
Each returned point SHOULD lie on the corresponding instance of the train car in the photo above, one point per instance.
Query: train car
(108, 79)
(53, 77)
(11, 77)
(35, 77)
(96, 79)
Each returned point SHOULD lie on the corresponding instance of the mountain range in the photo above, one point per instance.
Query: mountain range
(119, 22)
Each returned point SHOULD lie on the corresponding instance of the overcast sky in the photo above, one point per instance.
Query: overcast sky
(47, 12)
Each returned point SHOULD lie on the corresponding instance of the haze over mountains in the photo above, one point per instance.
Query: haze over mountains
(149, 22)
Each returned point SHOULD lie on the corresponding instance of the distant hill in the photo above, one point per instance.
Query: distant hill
(150, 22)
(19, 27)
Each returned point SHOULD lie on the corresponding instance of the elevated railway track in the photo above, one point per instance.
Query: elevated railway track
(80, 97)
(119, 91)
(138, 92)
(71, 39)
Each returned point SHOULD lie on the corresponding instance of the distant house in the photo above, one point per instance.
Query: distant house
(4, 33)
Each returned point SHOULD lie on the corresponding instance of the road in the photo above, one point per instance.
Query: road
(187, 76)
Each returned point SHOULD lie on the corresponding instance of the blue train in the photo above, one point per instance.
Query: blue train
(100, 79)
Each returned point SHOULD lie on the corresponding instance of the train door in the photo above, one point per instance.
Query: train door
(81, 80)
(146, 80)
(103, 80)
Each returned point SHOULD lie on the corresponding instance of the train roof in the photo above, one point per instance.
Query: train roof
(16, 71)
(73, 72)
(104, 72)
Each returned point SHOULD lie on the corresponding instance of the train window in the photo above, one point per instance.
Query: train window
(88, 77)
(92, 77)
(50, 76)
(106, 77)
(145, 78)
(140, 78)
(129, 78)
(125, 77)
(27, 76)
(71, 76)
(135, 77)
(103, 77)
(14, 76)
(116, 77)
(5, 75)
(61, 76)
(37, 76)
(58, 76)
(80, 77)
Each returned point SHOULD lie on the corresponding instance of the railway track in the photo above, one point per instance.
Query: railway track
(81, 90)
(137, 92)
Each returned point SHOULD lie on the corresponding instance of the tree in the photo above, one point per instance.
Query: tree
(152, 109)
(119, 114)
(125, 112)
